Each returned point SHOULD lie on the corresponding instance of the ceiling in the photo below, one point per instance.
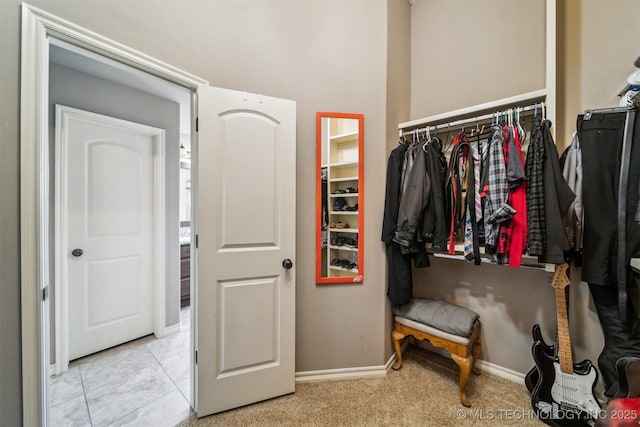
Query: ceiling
(79, 59)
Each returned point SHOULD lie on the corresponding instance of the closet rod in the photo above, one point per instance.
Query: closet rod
(589, 113)
(633, 107)
(461, 122)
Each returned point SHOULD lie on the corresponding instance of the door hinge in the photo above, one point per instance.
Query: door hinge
(45, 293)
(197, 118)
(196, 241)
(196, 357)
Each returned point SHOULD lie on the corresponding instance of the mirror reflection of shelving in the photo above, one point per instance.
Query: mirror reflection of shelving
(340, 161)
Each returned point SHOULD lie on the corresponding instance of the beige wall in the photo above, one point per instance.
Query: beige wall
(598, 41)
(266, 47)
(327, 56)
(398, 97)
(10, 350)
(597, 44)
(467, 52)
(297, 50)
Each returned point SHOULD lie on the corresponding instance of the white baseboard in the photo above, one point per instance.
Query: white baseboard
(348, 373)
(492, 368)
(342, 374)
(168, 330)
(52, 369)
(501, 371)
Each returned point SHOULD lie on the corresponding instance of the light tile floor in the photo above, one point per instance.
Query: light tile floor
(145, 382)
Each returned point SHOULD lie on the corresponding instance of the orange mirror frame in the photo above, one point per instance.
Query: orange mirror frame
(339, 198)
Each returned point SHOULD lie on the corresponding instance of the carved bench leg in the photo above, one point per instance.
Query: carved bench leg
(476, 352)
(397, 336)
(464, 363)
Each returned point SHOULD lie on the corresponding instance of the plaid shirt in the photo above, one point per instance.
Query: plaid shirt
(496, 207)
(536, 224)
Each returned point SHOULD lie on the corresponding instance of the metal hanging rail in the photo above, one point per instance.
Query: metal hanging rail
(477, 113)
(445, 127)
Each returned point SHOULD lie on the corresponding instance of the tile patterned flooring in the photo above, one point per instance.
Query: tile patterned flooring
(145, 382)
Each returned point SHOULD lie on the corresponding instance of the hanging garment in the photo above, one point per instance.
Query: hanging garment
(392, 193)
(601, 140)
(484, 186)
(434, 222)
(406, 166)
(572, 173)
(455, 180)
(506, 226)
(325, 201)
(621, 337)
(412, 202)
(518, 189)
(557, 199)
(474, 209)
(399, 280)
(534, 170)
(496, 208)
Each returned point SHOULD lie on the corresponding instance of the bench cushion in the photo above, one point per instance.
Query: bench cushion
(432, 331)
(440, 315)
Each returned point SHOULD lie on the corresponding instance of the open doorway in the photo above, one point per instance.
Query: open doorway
(237, 131)
(145, 375)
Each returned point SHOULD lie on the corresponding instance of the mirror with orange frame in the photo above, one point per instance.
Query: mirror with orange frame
(339, 198)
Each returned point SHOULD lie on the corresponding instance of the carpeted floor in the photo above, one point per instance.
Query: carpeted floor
(423, 393)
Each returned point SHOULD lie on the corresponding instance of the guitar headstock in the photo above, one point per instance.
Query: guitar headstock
(560, 278)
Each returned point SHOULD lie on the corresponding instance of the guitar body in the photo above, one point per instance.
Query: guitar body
(532, 377)
(563, 393)
(561, 399)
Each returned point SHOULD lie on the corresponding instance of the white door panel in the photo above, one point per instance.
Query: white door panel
(107, 210)
(245, 313)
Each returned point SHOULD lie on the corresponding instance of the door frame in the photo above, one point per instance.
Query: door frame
(38, 28)
(61, 280)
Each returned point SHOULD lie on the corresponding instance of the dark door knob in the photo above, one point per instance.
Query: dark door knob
(77, 252)
(287, 264)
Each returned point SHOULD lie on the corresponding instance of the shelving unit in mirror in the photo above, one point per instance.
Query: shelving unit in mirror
(340, 197)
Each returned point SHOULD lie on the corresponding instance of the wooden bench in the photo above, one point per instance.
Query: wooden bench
(464, 350)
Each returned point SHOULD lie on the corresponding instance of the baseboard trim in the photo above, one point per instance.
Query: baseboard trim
(348, 373)
(168, 330)
(343, 373)
(483, 365)
(53, 368)
(501, 371)
(382, 370)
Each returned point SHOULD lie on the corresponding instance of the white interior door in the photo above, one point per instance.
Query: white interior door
(106, 191)
(245, 311)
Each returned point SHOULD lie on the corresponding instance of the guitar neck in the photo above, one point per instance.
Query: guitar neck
(564, 339)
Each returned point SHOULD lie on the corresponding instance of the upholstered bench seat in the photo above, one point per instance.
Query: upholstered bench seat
(444, 325)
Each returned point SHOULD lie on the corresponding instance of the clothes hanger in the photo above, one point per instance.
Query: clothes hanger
(521, 130)
(427, 138)
(448, 139)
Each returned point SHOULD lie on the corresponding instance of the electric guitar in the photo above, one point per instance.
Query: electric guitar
(533, 376)
(563, 395)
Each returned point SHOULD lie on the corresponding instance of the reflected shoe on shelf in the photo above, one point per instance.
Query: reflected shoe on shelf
(339, 204)
(339, 224)
(351, 243)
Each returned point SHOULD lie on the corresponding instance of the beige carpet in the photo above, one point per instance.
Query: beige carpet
(423, 393)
